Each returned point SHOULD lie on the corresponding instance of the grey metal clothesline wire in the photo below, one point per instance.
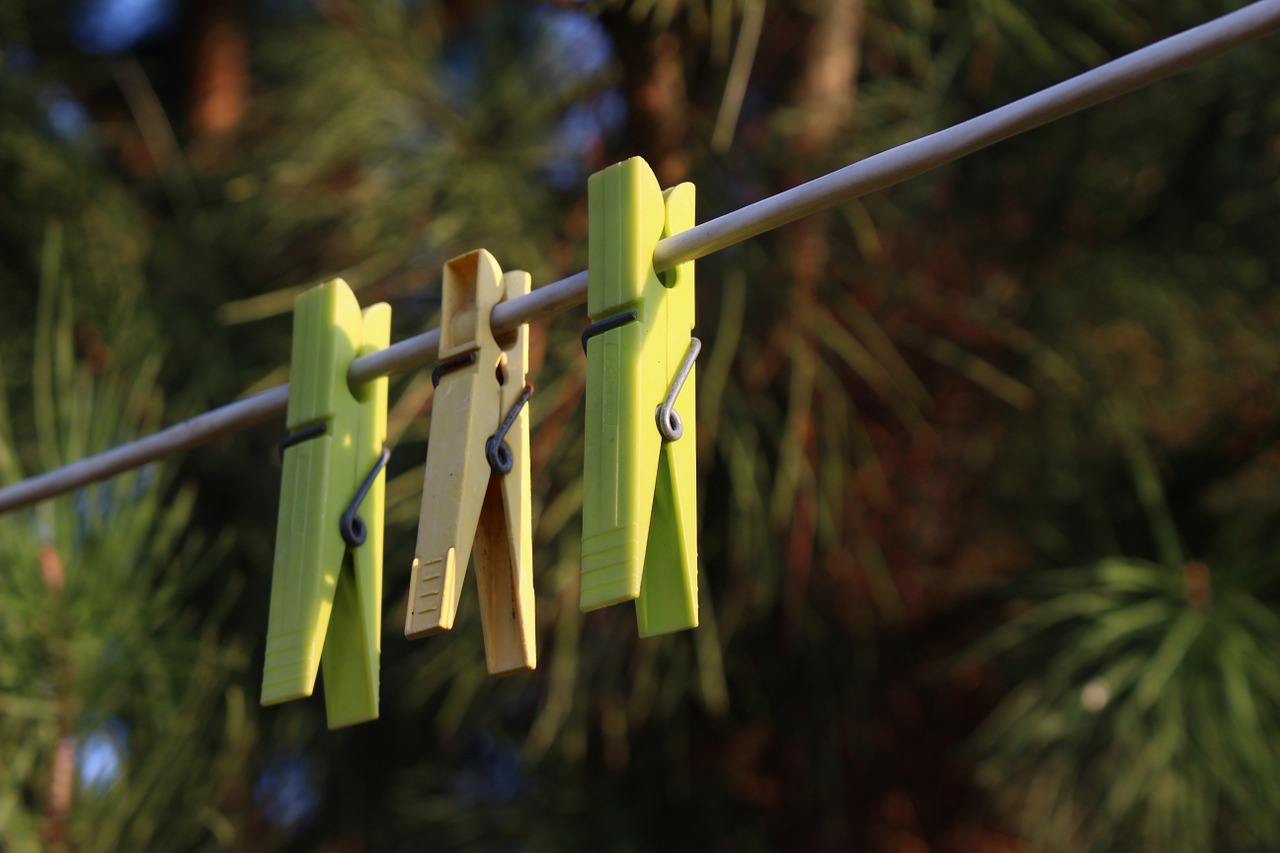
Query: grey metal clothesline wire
(1137, 69)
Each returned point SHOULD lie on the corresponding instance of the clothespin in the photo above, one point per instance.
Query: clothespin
(326, 590)
(639, 512)
(476, 486)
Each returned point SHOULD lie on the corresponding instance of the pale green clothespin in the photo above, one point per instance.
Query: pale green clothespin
(326, 589)
(639, 514)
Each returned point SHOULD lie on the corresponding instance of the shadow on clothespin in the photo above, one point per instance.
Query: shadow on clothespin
(476, 487)
(639, 512)
(326, 587)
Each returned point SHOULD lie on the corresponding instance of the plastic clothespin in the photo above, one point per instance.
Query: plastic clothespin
(639, 513)
(326, 590)
(476, 486)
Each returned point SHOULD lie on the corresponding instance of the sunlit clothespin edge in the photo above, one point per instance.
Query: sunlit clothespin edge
(326, 588)
(476, 487)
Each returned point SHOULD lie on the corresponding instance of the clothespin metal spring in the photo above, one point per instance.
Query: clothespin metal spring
(314, 431)
(350, 525)
(495, 449)
(607, 324)
(669, 423)
(450, 365)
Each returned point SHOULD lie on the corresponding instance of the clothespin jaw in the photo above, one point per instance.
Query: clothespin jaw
(639, 516)
(326, 594)
(467, 496)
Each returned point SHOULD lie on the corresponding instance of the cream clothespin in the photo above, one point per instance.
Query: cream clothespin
(326, 587)
(476, 486)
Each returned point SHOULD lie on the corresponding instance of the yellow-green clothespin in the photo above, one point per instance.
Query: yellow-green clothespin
(326, 590)
(639, 513)
(476, 487)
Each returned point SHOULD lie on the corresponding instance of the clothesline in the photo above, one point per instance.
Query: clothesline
(880, 171)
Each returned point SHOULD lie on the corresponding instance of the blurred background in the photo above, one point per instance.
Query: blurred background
(989, 472)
